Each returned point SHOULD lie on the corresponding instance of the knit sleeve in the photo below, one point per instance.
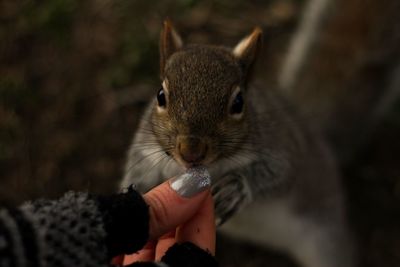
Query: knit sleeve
(75, 230)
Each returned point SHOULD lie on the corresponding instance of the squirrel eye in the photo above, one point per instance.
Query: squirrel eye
(237, 104)
(162, 102)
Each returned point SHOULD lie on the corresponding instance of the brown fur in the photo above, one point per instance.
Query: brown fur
(193, 74)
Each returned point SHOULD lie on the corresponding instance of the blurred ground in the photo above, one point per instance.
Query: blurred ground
(75, 76)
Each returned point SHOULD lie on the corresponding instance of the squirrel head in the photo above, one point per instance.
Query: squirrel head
(200, 115)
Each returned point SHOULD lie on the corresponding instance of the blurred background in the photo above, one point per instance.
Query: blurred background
(76, 75)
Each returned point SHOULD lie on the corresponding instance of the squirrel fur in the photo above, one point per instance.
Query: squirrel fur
(275, 182)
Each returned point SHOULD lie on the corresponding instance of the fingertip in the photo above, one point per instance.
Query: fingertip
(168, 209)
(192, 182)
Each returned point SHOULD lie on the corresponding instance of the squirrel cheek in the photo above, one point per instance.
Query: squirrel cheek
(161, 110)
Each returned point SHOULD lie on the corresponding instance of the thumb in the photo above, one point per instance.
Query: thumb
(177, 200)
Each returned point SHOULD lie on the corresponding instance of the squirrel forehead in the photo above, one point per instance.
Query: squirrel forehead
(202, 68)
(201, 78)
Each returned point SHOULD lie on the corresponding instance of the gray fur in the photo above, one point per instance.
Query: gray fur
(269, 161)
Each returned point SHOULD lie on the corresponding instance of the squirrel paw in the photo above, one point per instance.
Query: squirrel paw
(230, 195)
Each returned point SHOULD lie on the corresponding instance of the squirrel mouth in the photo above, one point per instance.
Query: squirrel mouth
(185, 164)
(189, 165)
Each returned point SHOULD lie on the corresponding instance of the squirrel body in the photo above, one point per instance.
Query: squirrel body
(274, 180)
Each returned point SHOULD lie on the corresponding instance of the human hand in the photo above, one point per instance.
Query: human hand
(181, 210)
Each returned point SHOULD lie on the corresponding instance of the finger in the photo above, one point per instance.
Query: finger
(145, 254)
(164, 243)
(200, 229)
(175, 201)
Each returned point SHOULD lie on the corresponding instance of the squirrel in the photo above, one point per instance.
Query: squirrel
(275, 182)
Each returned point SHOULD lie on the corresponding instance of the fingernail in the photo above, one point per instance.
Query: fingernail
(192, 182)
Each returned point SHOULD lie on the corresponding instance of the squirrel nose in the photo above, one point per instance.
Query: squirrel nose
(192, 149)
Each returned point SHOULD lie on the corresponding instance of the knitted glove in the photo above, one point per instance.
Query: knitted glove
(75, 230)
(83, 230)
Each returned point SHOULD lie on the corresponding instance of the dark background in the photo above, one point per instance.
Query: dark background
(76, 75)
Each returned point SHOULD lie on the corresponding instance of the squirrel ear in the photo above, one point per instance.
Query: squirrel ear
(247, 49)
(170, 42)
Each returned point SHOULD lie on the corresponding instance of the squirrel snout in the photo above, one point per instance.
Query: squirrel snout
(191, 149)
